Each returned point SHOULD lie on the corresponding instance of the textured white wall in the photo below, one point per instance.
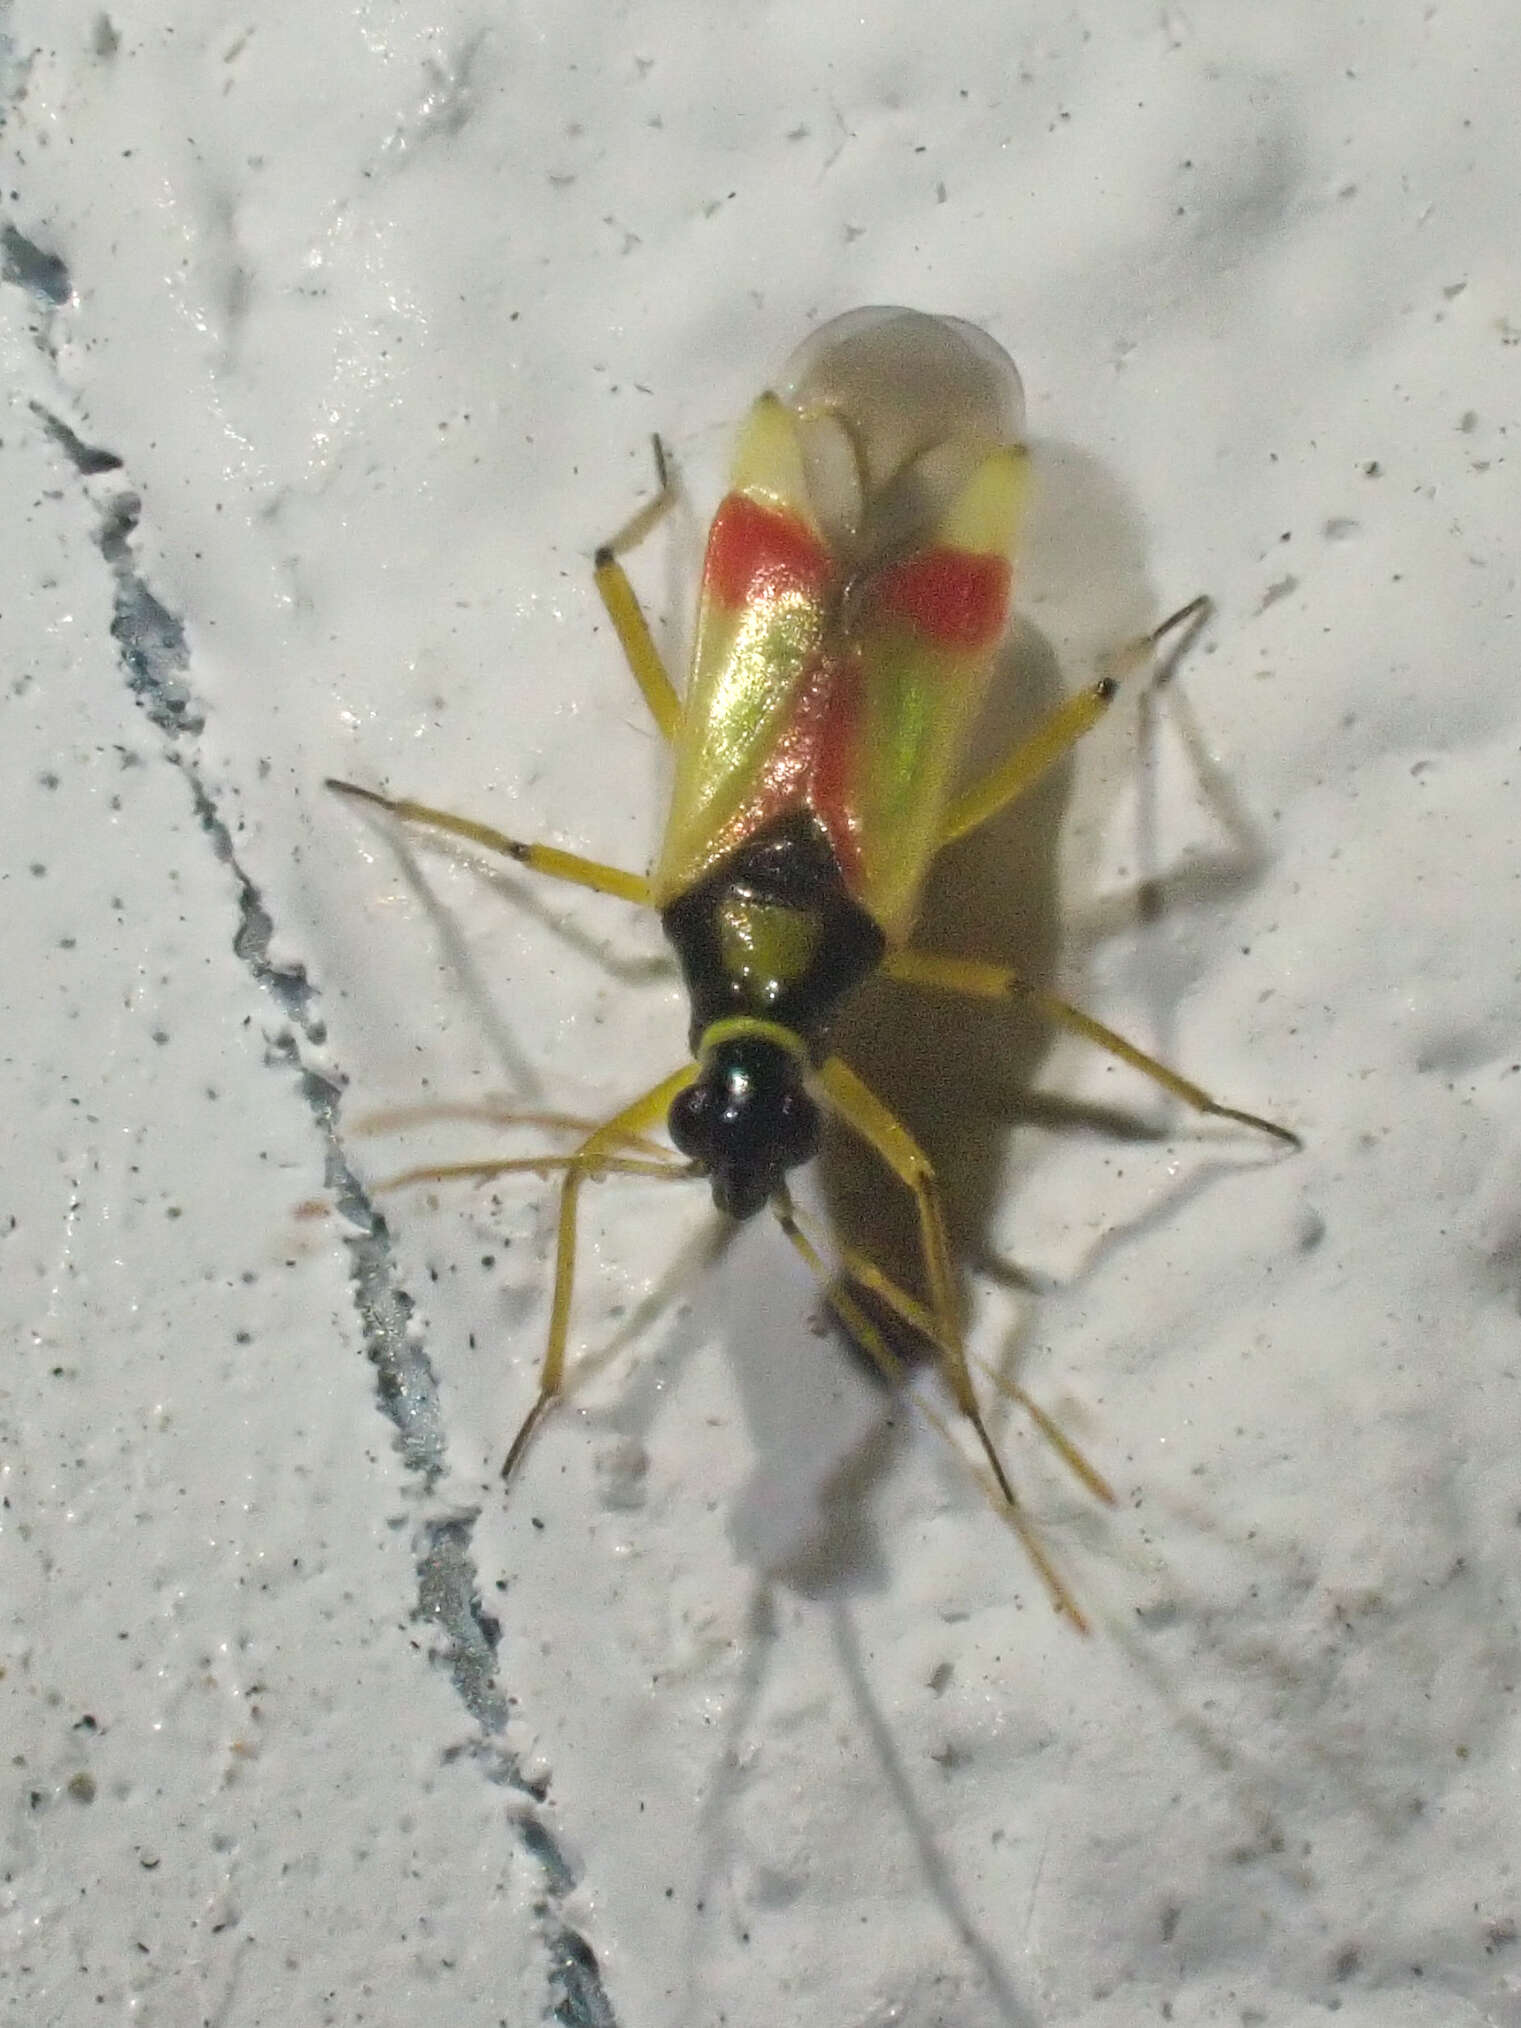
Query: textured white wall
(760, 1715)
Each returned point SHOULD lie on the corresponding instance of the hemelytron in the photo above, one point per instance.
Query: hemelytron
(854, 594)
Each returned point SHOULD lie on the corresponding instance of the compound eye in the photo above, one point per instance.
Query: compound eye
(797, 1130)
(690, 1122)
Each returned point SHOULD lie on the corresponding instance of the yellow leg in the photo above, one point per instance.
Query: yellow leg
(397, 1119)
(622, 604)
(1066, 725)
(864, 1271)
(887, 1362)
(1001, 982)
(545, 859)
(538, 1165)
(861, 1110)
(643, 659)
(844, 1305)
(597, 1152)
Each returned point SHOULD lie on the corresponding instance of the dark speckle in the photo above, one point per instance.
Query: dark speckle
(1347, 1961)
(1155, 1619)
(42, 274)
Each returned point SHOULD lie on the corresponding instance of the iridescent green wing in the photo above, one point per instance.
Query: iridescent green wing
(926, 635)
(768, 582)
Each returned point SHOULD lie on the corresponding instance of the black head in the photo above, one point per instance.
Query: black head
(746, 1121)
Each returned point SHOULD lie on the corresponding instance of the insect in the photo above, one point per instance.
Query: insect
(854, 595)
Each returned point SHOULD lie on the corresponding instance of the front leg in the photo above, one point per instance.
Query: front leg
(546, 859)
(861, 1110)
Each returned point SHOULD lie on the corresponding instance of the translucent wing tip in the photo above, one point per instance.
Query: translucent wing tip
(904, 380)
(895, 409)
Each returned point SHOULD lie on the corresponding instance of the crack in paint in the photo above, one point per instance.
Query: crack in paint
(156, 659)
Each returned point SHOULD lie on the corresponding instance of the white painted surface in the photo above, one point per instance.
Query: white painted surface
(377, 308)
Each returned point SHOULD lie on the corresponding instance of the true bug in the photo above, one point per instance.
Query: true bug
(854, 594)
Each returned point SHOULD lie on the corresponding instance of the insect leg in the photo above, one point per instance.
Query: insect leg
(863, 1270)
(1059, 733)
(1001, 982)
(597, 1152)
(622, 603)
(887, 1362)
(860, 1108)
(535, 1165)
(840, 1300)
(547, 859)
(483, 1113)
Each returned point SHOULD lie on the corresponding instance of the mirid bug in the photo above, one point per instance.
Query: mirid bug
(854, 594)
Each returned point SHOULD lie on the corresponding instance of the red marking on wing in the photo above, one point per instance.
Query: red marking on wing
(953, 597)
(760, 553)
